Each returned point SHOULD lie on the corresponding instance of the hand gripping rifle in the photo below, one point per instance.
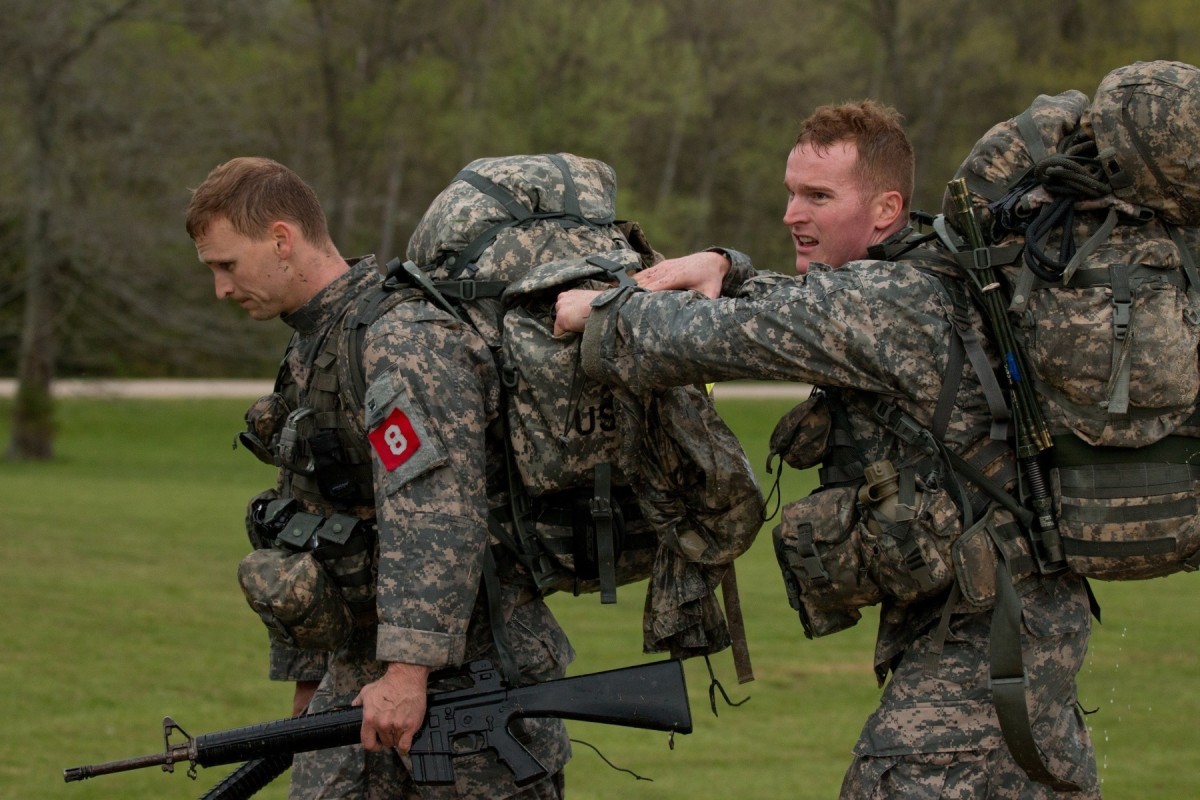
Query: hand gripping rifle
(650, 696)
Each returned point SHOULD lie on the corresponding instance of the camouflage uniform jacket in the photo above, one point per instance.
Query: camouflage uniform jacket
(431, 396)
(869, 328)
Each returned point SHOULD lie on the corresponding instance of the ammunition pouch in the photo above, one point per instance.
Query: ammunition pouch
(331, 561)
(295, 599)
(819, 549)
(994, 537)
(838, 552)
(908, 532)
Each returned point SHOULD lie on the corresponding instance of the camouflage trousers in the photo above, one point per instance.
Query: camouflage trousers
(936, 734)
(351, 773)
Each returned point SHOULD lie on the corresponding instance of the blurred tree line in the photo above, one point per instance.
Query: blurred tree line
(111, 109)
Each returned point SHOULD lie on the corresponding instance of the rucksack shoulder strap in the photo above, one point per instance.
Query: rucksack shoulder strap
(571, 215)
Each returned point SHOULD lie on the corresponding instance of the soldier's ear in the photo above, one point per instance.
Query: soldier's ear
(888, 208)
(283, 237)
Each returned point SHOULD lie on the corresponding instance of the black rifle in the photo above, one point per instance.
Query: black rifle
(651, 696)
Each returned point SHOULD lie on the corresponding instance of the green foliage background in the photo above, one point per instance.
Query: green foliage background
(111, 109)
(121, 606)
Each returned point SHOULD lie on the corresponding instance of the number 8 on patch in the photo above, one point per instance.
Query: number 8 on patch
(394, 440)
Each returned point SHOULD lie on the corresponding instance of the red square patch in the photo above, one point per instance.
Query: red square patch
(394, 439)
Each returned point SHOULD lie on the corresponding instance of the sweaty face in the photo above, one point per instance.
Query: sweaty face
(831, 217)
(247, 271)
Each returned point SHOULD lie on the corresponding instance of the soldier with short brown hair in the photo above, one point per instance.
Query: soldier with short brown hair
(879, 337)
(373, 548)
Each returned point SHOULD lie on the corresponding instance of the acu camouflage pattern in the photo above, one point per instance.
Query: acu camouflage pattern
(1083, 344)
(562, 431)
(1070, 335)
(298, 602)
(876, 329)
(1145, 120)
(699, 494)
(1115, 368)
(561, 425)
(1002, 157)
(694, 491)
(935, 733)
(430, 512)
(801, 437)
(461, 214)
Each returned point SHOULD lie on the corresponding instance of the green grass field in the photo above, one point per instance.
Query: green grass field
(121, 606)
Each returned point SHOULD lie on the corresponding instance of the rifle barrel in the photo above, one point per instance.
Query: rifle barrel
(175, 754)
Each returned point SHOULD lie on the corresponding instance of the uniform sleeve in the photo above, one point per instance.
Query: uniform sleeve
(427, 404)
(740, 270)
(870, 326)
(650, 341)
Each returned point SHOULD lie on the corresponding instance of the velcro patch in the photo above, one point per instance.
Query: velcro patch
(394, 439)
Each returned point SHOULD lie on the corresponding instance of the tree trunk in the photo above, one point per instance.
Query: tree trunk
(33, 409)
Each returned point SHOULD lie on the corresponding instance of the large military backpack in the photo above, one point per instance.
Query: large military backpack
(605, 487)
(1086, 210)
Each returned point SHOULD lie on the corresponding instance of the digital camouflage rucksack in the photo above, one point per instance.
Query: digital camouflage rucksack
(1078, 213)
(606, 486)
(1105, 298)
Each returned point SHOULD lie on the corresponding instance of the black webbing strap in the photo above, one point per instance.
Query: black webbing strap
(844, 464)
(614, 268)
(572, 213)
(1009, 683)
(496, 618)
(968, 338)
(515, 208)
(468, 290)
(602, 514)
(1071, 451)
(1028, 129)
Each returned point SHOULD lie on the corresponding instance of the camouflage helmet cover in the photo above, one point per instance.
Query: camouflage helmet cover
(1145, 120)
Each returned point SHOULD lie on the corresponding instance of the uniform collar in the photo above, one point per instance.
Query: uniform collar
(324, 307)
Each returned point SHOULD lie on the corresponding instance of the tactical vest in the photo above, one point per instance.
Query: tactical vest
(314, 434)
